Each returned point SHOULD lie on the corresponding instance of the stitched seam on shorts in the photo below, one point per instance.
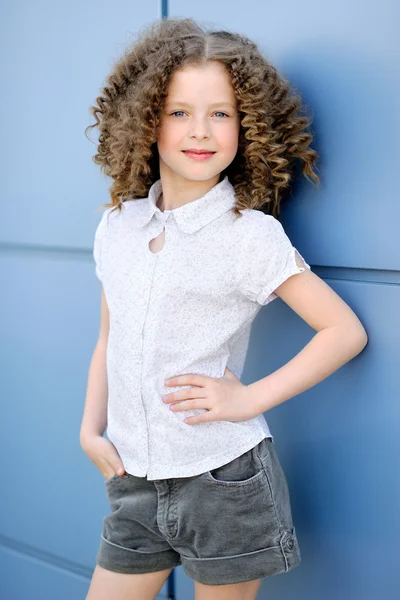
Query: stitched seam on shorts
(174, 509)
(132, 549)
(285, 557)
(272, 493)
(230, 556)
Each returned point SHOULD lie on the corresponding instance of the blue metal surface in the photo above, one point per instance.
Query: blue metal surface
(338, 442)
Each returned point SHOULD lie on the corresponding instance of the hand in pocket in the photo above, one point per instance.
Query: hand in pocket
(104, 455)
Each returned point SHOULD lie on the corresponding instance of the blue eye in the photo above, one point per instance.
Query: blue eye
(181, 111)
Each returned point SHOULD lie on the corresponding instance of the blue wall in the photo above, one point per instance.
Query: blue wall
(338, 442)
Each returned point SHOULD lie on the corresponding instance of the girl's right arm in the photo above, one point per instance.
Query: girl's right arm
(94, 419)
(94, 422)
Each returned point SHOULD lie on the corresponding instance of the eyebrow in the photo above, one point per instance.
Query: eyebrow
(189, 105)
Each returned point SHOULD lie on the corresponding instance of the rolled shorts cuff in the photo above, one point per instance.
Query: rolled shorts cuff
(245, 567)
(112, 557)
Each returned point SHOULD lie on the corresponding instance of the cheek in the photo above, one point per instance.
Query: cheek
(168, 136)
(229, 142)
(229, 137)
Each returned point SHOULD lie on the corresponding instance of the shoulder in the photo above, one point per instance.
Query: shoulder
(112, 217)
(257, 227)
(256, 218)
(105, 215)
(134, 205)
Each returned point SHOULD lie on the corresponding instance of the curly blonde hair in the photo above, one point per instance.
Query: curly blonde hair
(273, 120)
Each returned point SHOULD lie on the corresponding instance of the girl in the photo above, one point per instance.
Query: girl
(200, 135)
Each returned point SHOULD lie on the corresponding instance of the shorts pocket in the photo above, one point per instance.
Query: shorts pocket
(238, 518)
(241, 472)
(106, 481)
(211, 476)
(115, 476)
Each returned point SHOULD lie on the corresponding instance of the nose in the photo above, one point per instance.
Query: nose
(199, 128)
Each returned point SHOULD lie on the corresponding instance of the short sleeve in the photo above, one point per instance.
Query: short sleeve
(98, 245)
(270, 259)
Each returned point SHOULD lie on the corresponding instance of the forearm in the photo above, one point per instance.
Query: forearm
(94, 420)
(326, 352)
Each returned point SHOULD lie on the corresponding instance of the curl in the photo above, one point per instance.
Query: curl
(274, 124)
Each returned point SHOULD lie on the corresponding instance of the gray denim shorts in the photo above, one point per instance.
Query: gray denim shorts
(224, 526)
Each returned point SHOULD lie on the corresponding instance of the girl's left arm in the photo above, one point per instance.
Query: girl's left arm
(340, 337)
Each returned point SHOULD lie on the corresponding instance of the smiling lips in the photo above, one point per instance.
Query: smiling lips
(198, 154)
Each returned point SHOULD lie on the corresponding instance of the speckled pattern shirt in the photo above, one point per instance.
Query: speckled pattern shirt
(185, 309)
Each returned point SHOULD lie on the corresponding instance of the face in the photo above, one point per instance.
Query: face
(199, 112)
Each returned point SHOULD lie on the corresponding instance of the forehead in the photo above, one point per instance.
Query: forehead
(210, 81)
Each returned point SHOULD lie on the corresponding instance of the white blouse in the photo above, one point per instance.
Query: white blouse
(185, 309)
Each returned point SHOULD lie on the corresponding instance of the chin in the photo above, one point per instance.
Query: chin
(196, 174)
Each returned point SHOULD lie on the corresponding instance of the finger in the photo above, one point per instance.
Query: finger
(186, 394)
(186, 405)
(118, 466)
(107, 472)
(120, 471)
(203, 418)
(187, 379)
(190, 404)
(114, 466)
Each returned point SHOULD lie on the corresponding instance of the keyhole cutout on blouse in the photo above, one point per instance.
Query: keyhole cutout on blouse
(157, 243)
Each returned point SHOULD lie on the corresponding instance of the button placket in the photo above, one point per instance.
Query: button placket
(160, 218)
(143, 340)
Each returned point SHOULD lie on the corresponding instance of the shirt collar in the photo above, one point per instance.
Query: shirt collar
(190, 216)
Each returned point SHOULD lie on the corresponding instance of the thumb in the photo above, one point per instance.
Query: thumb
(119, 469)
